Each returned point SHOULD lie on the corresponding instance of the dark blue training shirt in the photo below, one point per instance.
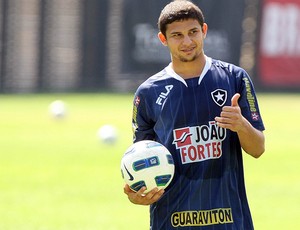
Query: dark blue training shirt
(208, 190)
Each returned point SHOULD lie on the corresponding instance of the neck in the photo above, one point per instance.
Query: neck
(189, 69)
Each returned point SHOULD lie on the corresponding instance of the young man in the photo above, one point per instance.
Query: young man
(205, 112)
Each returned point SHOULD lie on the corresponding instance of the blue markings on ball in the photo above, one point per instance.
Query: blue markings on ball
(145, 163)
(170, 159)
(162, 180)
(138, 185)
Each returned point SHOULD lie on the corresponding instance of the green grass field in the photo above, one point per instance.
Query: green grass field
(56, 174)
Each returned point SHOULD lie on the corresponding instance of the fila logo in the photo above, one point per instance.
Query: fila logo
(163, 95)
(219, 96)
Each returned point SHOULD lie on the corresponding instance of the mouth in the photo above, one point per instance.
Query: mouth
(188, 50)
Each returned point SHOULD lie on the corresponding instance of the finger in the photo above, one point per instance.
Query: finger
(228, 109)
(226, 114)
(141, 191)
(151, 193)
(127, 189)
(154, 195)
(144, 198)
(234, 115)
(223, 120)
(159, 194)
(234, 99)
(138, 197)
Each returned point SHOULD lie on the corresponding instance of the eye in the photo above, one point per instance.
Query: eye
(193, 32)
(176, 35)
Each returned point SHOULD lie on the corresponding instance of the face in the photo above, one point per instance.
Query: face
(184, 40)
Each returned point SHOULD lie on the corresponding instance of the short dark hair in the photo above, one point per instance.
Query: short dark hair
(179, 10)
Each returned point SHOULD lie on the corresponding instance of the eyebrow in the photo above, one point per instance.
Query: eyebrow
(178, 32)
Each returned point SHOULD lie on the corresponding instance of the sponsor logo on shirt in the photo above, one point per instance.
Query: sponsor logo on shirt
(163, 95)
(251, 101)
(136, 103)
(199, 143)
(202, 218)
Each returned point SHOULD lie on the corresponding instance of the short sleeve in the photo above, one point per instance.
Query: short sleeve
(248, 102)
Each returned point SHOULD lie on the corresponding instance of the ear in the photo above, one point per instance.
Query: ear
(162, 38)
(204, 29)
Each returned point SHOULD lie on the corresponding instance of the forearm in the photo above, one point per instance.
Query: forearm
(252, 140)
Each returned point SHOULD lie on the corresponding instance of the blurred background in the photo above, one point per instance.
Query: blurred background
(68, 70)
(96, 45)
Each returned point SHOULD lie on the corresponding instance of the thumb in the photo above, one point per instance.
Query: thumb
(234, 99)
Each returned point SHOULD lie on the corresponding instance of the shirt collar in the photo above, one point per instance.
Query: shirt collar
(172, 73)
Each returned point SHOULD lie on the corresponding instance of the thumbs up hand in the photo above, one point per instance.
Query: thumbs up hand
(251, 139)
(234, 100)
(231, 116)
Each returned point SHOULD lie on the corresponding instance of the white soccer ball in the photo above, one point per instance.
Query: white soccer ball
(57, 109)
(107, 134)
(147, 163)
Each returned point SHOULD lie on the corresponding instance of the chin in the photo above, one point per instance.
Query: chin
(188, 59)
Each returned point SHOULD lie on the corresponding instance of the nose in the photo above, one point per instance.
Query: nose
(186, 40)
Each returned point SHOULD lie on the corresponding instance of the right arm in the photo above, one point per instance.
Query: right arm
(142, 130)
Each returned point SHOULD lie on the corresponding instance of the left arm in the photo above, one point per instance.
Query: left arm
(251, 139)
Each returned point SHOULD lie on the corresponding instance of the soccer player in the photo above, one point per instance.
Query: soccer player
(205, 112)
